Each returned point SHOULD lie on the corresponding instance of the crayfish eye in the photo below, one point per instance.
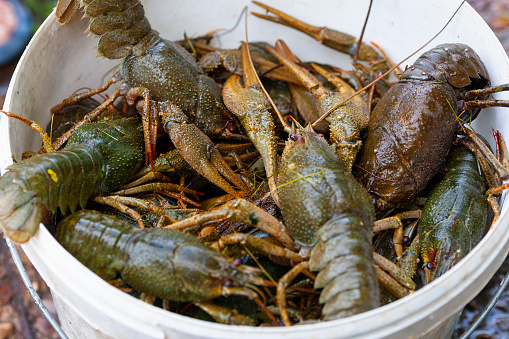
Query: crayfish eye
(230, 125)
(297, 137)
(431, 265)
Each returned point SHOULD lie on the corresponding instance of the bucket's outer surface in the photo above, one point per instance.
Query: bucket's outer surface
(60, 59)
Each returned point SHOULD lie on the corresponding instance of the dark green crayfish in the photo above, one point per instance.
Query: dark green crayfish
(99, 157)
(454, 217)
(160, 262)
(329, 213)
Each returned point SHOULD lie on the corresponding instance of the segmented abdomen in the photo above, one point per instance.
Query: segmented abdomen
(60, 179)
(121, 24)
(98, 241)
(343, 256)
(98, 158)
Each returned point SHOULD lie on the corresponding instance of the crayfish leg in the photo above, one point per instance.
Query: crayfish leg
(87, 94)
(479, 94)
(160, 177)
(164, 188)
(486, 91)
(112, 201)
(281, 289)
(243, 211)
(500, 164)
(392, 277)
(36, 127)
(149, 120)
(395, 222)
(286, 57)
(391, 284)
(262, 220)
(249, 293)
(262, 246)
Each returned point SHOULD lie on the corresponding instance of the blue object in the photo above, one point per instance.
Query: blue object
(21, 35)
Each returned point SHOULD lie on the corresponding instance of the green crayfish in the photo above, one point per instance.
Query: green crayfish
(99, 157)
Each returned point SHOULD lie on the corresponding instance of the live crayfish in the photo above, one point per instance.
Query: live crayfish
(413, 126)
(188, 101)
(99, 157)
(161, 262)
(308, 185)
(334, 217)
(454, 217)
(330, 217)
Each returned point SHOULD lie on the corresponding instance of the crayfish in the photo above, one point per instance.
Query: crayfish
(413, 126)
(315, 215)
(454, 216)
(161, 262)
(99, 157)
(168, 79)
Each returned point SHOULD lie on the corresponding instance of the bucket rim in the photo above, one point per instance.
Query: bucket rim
(42, 247)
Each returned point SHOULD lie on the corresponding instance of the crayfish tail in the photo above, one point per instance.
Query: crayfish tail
(343, 257)
(20, 211)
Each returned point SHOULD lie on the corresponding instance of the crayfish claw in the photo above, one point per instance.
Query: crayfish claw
(199, 152)
(332, 38)
(250, 105)
(225, 315)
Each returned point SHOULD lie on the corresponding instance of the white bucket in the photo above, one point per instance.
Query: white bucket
(60, 59)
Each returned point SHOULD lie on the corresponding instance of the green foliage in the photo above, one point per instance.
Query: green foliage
(40, 10)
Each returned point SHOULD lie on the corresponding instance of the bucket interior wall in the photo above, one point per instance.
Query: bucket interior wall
(61, 59)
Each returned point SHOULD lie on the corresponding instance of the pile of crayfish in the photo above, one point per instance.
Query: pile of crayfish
(249, 188)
